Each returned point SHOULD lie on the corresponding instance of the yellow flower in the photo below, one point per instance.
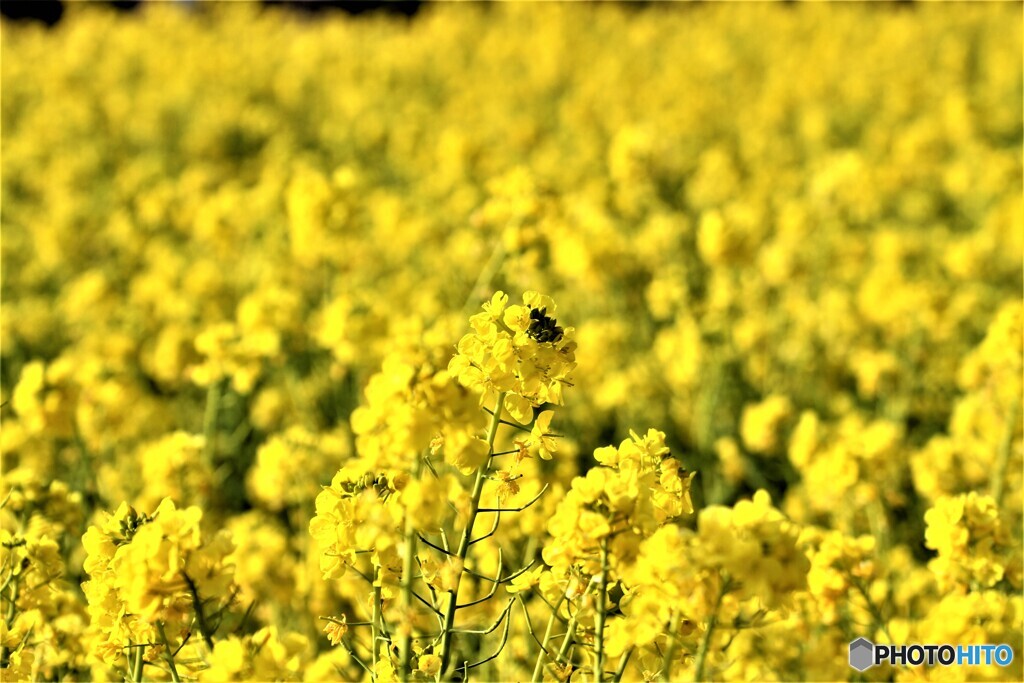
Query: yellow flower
(762, 422)
(429, 664)
(336, 629)
(496, 306)
(442, 576)
(525, 581)
(519, 408)
(541, 440)
(384, 669)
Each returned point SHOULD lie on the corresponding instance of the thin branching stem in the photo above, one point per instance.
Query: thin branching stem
(673, 644)
(12, 612)
(494, 530)
(245, 618)
(138, 663)
(490, 629)
(520, 508)
(622, 665)
(567, 641)
(430, 466)
(602, 595)
(168, 656)
(405, 646)
(516, 425)
(554, 609)
(427, 603)
(467, 532)
(344, 623)
(444, 541)
(213, 397)
(1003, 454)
(443, 551)
(375, 616)
(197, 607)
(183, 641)
(529, 625)
(365, 578)
(494, 589)
(485, 276)
(501, 646)
(507, 579)
(705, 641)
(873, 609)
(538, 667)
(509, 424)
(352, 653)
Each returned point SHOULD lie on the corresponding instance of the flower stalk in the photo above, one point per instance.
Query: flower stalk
(138, 661)
(213, 396)
(467, 532)
(539, 666)
(1003, 454)
(673, 646)
(12, 612)
(602, 596)
(375, 617)
(705, 641)
(168, 655)
(405, 647)
(567, 641)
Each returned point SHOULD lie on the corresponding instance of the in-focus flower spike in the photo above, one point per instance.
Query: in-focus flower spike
(518, 350)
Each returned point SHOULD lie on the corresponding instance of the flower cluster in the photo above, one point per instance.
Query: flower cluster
(686, 594)
(840, 568)
(37, 605)
(263, 656)
(41, 633)
(974, 544)
(151, 576)
(240, 249)
(635, 489)
(518, 352)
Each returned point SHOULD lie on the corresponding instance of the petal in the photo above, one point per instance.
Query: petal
(519, 408)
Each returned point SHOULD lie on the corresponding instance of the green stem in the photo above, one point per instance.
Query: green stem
(197, 607)
(407, 581)
(375, 618)
(705, 641)
(139, 662)
(168, 655)
(673, 646)
(1003, 457)
(12, 611)
(213, 395)
(570, 634)
(539, 666)
(463, 550)
(12, 608)
(86, 477)
(622, 665)
(878, 522)
(876, 613)
(602, 595)
(485, 276)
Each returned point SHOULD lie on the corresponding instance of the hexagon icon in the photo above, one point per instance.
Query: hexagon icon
(862, 654)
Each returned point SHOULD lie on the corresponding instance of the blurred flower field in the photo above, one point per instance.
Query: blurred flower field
(507, 343)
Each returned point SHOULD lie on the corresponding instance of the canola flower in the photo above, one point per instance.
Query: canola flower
(269, 413)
